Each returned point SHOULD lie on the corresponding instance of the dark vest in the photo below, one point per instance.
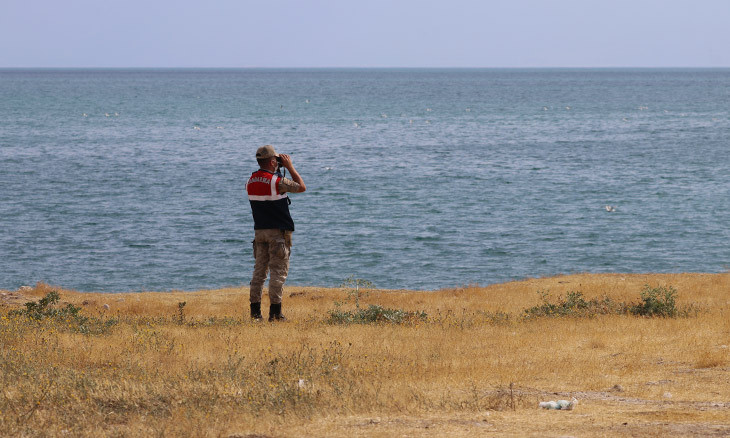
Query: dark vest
(269, 207)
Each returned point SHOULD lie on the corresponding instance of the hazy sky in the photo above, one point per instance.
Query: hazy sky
(365, 33)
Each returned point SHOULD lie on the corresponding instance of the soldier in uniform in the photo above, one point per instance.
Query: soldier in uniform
(273, 226)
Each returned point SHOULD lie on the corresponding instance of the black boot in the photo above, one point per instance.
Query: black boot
(275, 313)
(256, 311)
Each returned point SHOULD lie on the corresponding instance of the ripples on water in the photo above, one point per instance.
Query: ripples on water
(133, 180)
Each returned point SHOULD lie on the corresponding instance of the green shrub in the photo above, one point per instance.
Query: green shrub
(574, 304)
(357, 288)
(44, 308)
(374, 314)
(658, 301)
(69, 315)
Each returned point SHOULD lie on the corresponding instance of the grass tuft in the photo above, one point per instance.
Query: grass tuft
(375, 314)
(658, 301)
(68, 317)
(574, 304)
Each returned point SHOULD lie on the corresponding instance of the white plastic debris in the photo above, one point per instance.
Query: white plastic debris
(560, 405)
(549, 405)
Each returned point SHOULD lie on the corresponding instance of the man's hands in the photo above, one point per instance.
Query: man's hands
(287, 163)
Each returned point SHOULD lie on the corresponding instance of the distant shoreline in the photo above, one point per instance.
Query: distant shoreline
(297, 289)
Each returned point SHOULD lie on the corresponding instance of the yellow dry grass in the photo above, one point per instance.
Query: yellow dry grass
(466, 370)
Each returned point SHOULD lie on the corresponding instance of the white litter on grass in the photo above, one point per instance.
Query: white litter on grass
(560, 405)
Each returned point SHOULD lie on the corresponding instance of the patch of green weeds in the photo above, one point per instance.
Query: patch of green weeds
(68, 316)
(658, 301)
(574, 304)
(356, 288)
(181, 312)
(45, 308)
(374, 314)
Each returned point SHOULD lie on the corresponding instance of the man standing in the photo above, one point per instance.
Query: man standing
(273, 227)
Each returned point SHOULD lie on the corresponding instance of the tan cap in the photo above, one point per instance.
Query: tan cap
(264, 152)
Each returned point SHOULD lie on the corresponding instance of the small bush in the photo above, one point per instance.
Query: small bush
(374, 314)
(181, 312)
(574, 304)
(69, 315)
(658, 301)
(357, 288)
(44, 308)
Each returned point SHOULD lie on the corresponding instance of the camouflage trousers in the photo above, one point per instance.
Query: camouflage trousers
(271, 249)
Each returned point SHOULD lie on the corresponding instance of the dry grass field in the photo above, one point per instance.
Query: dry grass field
(471, 362)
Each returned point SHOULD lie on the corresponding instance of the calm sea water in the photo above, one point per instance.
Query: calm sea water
(114, 180)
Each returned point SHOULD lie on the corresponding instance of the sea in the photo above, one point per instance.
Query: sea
(133, 179)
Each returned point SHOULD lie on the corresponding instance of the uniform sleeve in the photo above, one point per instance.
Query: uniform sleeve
(287, 185)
